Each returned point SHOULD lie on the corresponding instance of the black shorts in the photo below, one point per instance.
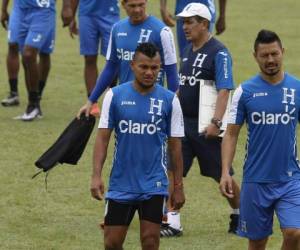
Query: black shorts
(121, 214)
(207, 151)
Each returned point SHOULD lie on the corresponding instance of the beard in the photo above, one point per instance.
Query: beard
(270, 72)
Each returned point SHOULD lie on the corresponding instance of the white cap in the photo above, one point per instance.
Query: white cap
(195, 9)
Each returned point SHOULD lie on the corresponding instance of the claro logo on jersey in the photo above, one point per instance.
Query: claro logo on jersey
(278, 118)
(131, 127)
(125, 55)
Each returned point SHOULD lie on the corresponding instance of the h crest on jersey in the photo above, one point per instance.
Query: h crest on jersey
(155, 105)
(288, 94)
(199, 60)
(43, 3)
(144, 36)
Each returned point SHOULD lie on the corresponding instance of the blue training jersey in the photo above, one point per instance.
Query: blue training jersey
(98, 8)
(271, 113)
(126, 36)
(142, 124)
(180, 4)
(26, 4)
(211, 63)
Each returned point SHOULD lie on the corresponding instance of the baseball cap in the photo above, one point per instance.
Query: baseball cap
(195, 9)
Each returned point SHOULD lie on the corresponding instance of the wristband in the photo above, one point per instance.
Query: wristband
(217, 122)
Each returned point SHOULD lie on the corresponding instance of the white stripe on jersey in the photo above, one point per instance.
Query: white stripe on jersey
(177, 127)
(168, 45)
(103, 123)
(234, 105)
(163, 157)
(108, 52)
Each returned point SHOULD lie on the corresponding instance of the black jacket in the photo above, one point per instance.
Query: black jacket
(70, 145)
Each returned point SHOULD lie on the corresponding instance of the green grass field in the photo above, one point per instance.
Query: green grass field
(65, 216)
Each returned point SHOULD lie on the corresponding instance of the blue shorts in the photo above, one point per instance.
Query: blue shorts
(14, 25)
(260, 200)
(181, 40)
(37, 29)
(94, 32)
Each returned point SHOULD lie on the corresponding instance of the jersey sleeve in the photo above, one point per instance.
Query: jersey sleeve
(223, 70)
(111, 53)
(107, 113)
(237, 113)
(176, 126)
(168, 46)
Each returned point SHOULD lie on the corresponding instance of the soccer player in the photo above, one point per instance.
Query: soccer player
(145, 118)
(126, 34)
(12, 61)
(269, 103)
(96, 18)
(35, 35)
(180, 4)
(204, 60)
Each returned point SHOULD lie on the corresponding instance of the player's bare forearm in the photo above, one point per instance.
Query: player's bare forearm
(74, 4)
(221, 103)
(67, 12)
(4, 14)
(178, 198)
(221, 23)
(228, 151)
(165, 14)
(4, 5)
(163, 5)
(175, 151)
(222, 8)
(229, 143)
(100, 150)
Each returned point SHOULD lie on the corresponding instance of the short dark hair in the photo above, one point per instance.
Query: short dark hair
(266, 36)
(147, 49)
(200, 19)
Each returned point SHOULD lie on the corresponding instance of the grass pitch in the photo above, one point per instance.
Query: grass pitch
(65, 216)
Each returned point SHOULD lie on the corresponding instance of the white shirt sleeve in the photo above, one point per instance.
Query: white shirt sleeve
(168, 45)
(104, 118)
(177, 125)
(236, 114)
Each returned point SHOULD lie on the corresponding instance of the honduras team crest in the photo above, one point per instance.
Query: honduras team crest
(43, 3)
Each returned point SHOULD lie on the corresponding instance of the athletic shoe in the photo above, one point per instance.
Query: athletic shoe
(32, 112)
(95, 111)
(167, 231)
(233, 224)
(11, 100)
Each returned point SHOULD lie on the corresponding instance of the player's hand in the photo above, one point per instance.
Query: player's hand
(97, 187)
(226, 186)
(73, 28)
(66, 16)
(4, 19)
(211, 131)
(177, 198)
(167, 18)
(220, 25)
(85, 109)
